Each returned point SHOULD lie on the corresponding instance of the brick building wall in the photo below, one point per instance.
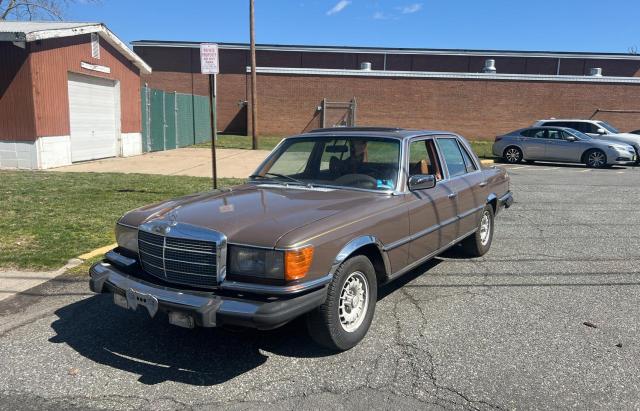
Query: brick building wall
(476, 108)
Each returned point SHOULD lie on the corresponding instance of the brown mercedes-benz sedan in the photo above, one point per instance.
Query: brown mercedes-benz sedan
(326, 219)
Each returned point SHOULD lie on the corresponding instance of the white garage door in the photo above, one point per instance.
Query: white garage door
(94, 117)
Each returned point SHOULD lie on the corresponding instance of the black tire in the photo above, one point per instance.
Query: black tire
(324, 323)
(595, 158)
(512, 155)
(476, 245)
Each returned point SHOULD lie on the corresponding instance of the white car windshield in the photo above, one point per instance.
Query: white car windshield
(350, 162)
(608, 127)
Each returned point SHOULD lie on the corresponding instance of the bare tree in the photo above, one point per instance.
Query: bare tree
(35, 9)
(633, 50)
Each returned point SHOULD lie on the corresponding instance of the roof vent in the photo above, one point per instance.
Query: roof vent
(489, 66)
(365, 65)
(595, 72)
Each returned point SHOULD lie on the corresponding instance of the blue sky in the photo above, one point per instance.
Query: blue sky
(555, 25)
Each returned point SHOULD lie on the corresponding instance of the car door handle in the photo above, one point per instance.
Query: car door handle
(453, 195)
(483, 184)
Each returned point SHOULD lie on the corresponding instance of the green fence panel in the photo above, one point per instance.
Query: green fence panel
(171, 120)
(202, 119)
(185, 122)
(157, 120)
(145, 118)
(170, 115)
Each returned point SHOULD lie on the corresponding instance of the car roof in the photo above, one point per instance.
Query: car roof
(569, 119)
(548, 127)
(387, 132)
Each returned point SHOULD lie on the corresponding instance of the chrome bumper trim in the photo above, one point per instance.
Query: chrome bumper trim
(275, 289)
(103, 272)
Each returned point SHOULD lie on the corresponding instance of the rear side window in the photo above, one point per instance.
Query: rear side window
(452, 156)
(534, 133)
(469, 164)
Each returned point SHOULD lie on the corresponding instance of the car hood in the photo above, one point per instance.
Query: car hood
(628, 138)
(607, 142)
(253, 214)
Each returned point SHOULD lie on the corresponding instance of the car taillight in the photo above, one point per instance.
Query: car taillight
(498, 138)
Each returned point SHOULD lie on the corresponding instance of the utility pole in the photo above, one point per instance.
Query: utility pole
(254, 88)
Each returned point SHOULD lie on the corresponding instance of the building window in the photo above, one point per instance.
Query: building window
(95, 45)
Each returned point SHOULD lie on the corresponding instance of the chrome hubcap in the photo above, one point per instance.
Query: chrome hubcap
(513, 155)
(596, 159)
(354, 301)
(485, 228)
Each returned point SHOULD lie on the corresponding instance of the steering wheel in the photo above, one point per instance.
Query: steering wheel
(357, 180)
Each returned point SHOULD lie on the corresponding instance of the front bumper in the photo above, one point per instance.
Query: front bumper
(204, 309)
(622, 158)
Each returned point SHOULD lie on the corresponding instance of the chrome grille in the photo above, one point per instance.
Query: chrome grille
(179, 260)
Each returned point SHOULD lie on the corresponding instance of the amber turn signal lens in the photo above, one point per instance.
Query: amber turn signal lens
(297, 263)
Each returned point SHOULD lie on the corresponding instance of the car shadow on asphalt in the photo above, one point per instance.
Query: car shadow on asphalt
(156, 351)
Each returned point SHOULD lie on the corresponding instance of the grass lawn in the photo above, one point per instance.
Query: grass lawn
(48, 218)
(481, 147)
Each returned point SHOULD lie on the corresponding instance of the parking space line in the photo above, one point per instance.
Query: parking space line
(517, 168)
(584, 171)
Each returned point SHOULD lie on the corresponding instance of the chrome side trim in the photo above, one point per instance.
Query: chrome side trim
(429, 256)
(419, 234)
(275, 289)
(470, 212)
(356, 244)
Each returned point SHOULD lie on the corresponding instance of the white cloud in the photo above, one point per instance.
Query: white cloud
(338, 7)
(378, 15)
(410, 8)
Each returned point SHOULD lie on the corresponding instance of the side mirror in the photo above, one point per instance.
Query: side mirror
(570, 138)
(601, 131)
(422, 182)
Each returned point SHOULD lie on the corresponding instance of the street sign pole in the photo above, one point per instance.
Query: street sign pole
(214, 132)
(209, 65)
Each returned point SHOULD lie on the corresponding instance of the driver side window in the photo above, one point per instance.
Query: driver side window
(423, 159)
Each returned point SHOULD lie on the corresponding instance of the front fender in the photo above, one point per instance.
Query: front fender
(356, 244)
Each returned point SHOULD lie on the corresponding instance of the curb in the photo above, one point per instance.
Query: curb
(487, 161)
(97, 251)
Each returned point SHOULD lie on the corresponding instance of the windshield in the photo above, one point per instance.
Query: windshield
(351, 162)
(578, 134)
(608, 127)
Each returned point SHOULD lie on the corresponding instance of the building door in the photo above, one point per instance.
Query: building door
(94, 117)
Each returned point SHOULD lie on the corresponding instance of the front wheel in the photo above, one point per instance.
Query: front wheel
(344, 318)
(477, 244)
(512, 155)
(595, 159)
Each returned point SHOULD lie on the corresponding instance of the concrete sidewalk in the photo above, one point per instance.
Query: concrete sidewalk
(180, 162)
(14, 282)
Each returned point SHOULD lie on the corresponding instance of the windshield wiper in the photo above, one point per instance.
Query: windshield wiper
(267, 175)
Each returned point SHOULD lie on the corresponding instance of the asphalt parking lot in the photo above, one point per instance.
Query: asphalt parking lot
(504, 331)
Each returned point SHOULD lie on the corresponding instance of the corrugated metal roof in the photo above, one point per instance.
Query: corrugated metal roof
(27, 31)
(396, 50)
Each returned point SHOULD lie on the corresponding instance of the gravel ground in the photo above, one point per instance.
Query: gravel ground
(504, 331)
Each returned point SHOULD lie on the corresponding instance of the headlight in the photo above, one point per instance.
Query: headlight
(127, 237)
(618, 148)
(286, 265)
(256, 262)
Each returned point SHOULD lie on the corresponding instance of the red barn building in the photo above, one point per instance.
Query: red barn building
(68, 92)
